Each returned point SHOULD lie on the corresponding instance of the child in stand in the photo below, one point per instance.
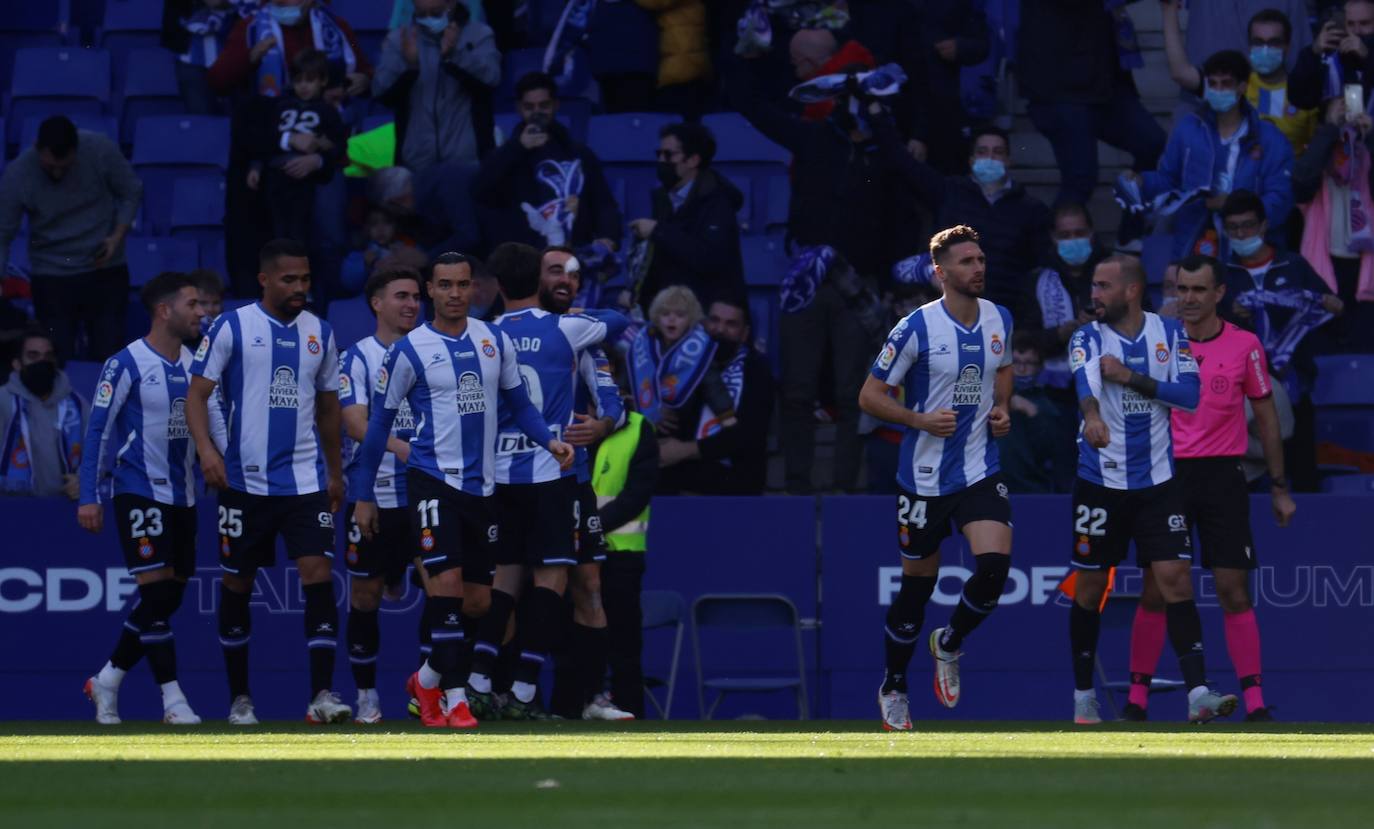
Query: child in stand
(675, 313)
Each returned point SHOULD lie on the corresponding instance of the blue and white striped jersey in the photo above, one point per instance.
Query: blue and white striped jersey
(455, 387)
(362, 364)
(942, 365)
(598, 384)
(1140, 452)
(270, 372)
(139, 416)
(546, 346)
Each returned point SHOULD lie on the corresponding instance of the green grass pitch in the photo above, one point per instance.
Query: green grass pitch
(738, 774)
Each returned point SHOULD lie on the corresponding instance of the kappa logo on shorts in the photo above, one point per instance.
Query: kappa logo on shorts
(427, 540)
(1178, 524)
(326, 520)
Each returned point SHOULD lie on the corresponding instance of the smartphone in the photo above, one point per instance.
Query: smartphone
(1354, 101)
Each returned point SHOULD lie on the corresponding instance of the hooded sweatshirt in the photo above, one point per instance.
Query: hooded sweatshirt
(43, 450)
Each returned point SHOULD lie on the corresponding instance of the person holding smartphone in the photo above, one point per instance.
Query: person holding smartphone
(1342, 52)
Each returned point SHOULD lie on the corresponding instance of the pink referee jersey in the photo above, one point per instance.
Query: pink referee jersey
(1233, 368)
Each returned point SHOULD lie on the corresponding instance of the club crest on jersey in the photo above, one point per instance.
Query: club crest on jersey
(283, 393)
(968, 389)
(1083, 547)
(471, 398)
(488, 349)
(204, 348)
(312, 345)
(224, 546)
(427, 540)
(145, 549)
(996, 345)
(1162, 352)
(352, 555)
(904, 536)
(104, 393)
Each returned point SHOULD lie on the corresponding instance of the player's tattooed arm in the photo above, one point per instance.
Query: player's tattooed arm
(1144, 384)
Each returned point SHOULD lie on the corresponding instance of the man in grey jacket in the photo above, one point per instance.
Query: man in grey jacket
(437, 74)
(42, 422)
(80, 196)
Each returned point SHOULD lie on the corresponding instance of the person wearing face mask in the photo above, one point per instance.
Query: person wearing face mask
(1270, 34)
(79, 196)
(1342, 53)
(261, 48)
(437, 74)
(542, 187)
(42, 423)
(693, 235)
(1058, 298)
(1224, 148)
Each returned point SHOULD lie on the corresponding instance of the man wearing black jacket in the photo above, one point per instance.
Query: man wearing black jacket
(694, 233)
(541, 187)
(703, 458)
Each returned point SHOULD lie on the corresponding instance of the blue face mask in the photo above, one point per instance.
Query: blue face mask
(1075, 251)
(989, 170)
(434, 25)
(285, 15)
(1221, 100)
(1246, 247)
(1265, 59)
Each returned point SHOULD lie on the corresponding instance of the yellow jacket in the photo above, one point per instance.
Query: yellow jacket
(682, 47)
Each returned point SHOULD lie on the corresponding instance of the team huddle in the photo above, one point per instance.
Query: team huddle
(465, 459)
(466, 446)
(1162, 431)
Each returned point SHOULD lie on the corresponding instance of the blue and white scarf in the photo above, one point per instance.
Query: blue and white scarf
(554, 218)
(883, 82)
(754, 31)
(804, 278)
(733, 377)
(16, 460)
(274, 75)
(1309, 313)
(1056, 308)
(1128, 53)
(668, 378)
(914, 270)
(208, 28)
(809, 14)
(574, 27)
(599, 264)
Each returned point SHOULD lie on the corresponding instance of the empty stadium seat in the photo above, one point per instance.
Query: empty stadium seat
(149, 88)
(149, 256)
(370, 21)
(198, 216)
(351, 320)
(1344, 398)
(57, 81)
(625, 143)
(27, 24)
(169, 147)
(129, 25)
(103, 124)
(753, 164)
(1155, 252)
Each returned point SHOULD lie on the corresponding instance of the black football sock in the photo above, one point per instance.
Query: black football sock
(1084, 626)
(446, 629)
(982, 592)
(591, 653)
(426, 644)
(235, 629)
(321, 634)
(1185, 634)
(903, 629)
(491, 632)
(536, 638)
(364, 634)
(159, 600)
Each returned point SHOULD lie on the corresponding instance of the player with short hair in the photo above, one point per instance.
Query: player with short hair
(139, 417)
(453, 373)
(393, 296)
(537, 500)
(1208, 447)
(1130, 368)
(280, 473)
(953, 359)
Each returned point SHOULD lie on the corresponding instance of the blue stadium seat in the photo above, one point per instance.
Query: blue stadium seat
(765, 259)
(754, 164)
(1349, 484)
(129, 25)
(351, 320)
(83, 375)
(168, 147)
(212, 256)
(625, 143)
(103, 124)
(27, 24)
(198, 216)
(151, 255)
(53, 81)
(370, 21)
(1344, 399)
(149, 88)
(519, 62)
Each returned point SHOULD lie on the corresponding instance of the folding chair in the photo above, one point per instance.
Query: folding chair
(752, 612)
(664, 609)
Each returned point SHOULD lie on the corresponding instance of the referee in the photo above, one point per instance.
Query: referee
(1208, 446)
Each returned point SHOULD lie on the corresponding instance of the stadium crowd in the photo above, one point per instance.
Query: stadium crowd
(377, 159)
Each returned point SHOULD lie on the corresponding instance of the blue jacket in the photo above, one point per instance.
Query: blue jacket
(1265, 166)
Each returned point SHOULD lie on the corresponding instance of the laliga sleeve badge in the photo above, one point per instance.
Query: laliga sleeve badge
(204, 348)
(104, 393)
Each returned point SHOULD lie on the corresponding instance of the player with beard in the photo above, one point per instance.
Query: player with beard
(281, 472)
(1130, 368)
(140, 412)
(952, 357)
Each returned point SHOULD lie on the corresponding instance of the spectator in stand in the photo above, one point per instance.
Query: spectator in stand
(684, 64)
(210, 295)
(1279, 297)
(1270, 33)
(437, 74)
(1011, 223)
(1058, 300)
(1343, 44)
(541, 187)
(704, 457)
(381, 243)
(1222, 149)
(195, 31)
(1074, 66)
(434, 215)
(1213, 27)
(42, 423)
(693, 235)
(1038, 455)
(1331, 183)
(622, 53)
(296, 147)
(79, 196)
(883, 440)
